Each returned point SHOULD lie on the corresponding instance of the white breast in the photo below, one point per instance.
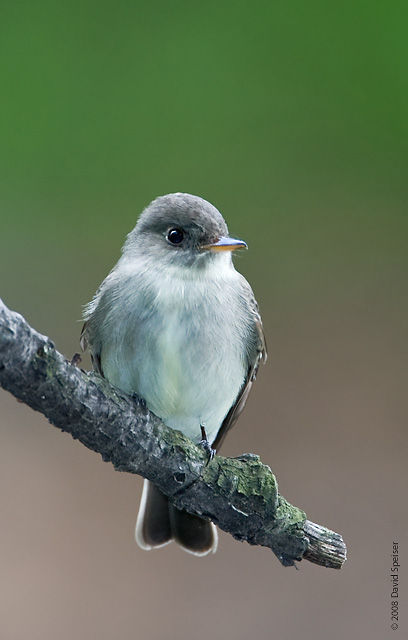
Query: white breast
(180, 344)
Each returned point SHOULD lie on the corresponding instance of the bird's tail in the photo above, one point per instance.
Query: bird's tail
(159, 522)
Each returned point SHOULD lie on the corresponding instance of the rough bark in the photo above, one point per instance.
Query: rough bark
(239, 494)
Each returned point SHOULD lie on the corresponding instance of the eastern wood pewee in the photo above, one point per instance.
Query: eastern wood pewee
(176, 324)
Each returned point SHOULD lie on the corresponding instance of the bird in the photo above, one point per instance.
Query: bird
(176, 324)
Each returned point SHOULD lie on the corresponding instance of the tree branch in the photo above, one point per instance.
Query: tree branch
(239, 494)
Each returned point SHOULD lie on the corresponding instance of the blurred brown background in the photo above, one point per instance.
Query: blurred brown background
(292, 119)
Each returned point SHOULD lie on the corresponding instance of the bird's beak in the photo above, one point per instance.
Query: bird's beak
(225, 244)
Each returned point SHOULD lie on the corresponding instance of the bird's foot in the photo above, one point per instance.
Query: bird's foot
(76, 360)
(206, 445)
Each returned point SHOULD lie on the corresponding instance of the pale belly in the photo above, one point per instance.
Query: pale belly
(188, 369)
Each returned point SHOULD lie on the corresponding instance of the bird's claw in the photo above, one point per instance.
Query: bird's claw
(204, 444)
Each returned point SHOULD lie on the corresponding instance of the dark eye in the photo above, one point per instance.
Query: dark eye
(175, 236)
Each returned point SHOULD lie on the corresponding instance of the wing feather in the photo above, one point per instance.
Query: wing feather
(259, 354)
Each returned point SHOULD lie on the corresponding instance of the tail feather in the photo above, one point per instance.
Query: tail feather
(159, 522)
(192, 533)
(153, 527)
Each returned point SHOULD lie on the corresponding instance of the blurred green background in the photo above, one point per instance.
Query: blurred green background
(290, 117)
